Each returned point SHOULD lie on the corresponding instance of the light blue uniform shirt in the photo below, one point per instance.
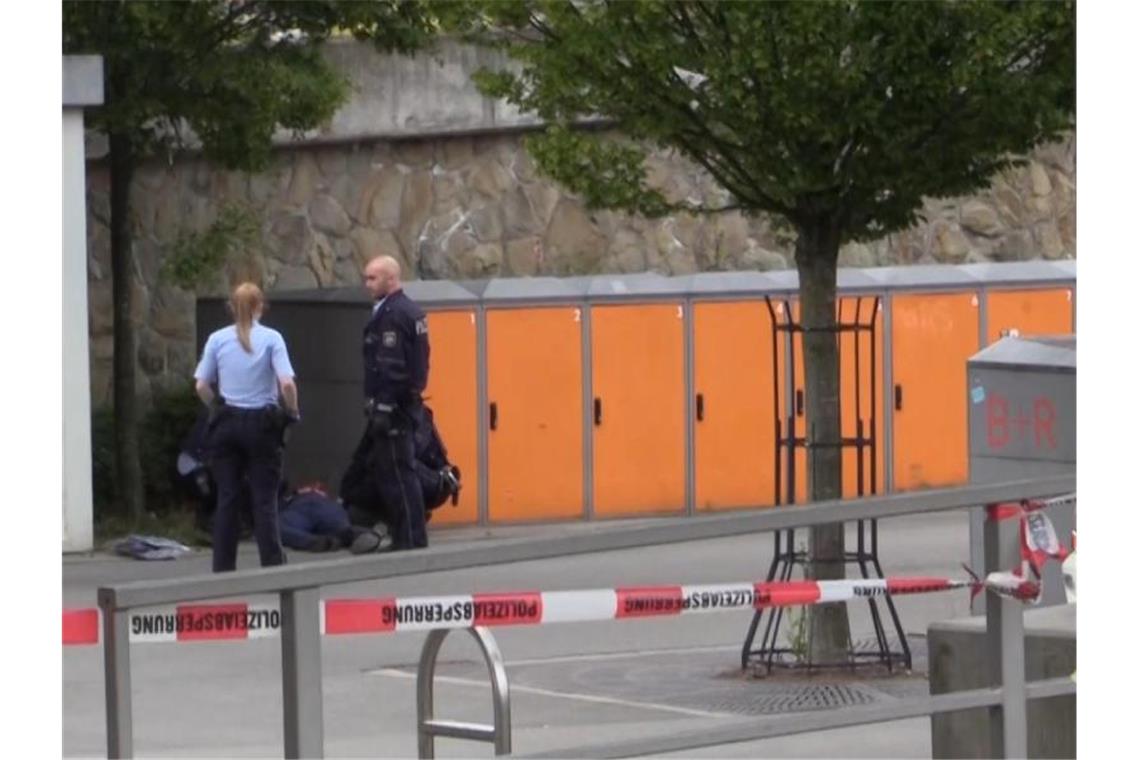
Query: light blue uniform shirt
(245, 380)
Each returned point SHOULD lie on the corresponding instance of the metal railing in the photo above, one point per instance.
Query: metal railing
(428, 726)
(299, 588)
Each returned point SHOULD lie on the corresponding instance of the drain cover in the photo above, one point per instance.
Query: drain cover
(792, 699)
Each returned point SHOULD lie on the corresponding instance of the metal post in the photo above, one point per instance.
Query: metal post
(978, 514)
(587, 410)
(427, 727)
(689, 316)
(117, 680)
(1005, 643)
(482, 497)
(301, 686)
(888, 396)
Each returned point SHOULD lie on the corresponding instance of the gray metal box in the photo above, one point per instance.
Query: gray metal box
(1022, 424)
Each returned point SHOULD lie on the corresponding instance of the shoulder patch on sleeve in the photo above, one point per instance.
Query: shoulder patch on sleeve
(421, 326)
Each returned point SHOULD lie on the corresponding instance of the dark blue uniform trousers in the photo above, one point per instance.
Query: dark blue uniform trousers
(394, 467)
(244, 444)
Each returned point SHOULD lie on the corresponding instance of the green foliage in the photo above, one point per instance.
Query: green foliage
(170, 418)
(798, 627)
(838, 112)
(196, 258)
(231, 71)
(103, 460)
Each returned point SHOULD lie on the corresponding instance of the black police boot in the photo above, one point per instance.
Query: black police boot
(369, 541)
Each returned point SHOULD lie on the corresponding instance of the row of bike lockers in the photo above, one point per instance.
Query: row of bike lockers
(631, 395)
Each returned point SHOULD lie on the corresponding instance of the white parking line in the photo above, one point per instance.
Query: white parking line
(563, 694)
(623, 655)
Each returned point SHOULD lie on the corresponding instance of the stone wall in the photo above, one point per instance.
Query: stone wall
(473, 206)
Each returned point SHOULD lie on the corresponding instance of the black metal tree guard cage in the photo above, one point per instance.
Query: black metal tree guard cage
(866, 554)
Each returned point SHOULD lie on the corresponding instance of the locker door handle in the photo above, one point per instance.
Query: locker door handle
(700, 407)
(898, 398)
(597, 411)
(799, 403)
(494, 415)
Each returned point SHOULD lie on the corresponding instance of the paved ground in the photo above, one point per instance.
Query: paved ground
(571, 683)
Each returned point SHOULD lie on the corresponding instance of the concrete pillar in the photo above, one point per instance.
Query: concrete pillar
(82, 86)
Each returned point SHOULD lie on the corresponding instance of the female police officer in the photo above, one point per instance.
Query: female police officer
(247, 424)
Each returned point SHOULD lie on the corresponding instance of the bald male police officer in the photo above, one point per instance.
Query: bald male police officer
(395, 374)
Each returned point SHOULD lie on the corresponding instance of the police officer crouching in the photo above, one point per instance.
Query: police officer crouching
(246, 429)
(395, 375)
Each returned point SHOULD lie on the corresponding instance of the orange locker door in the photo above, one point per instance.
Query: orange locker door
(451, 394)
(639, 409)
(1030, 312)
(734, 415)
(932, 337)
(856, 401)
(534, 393)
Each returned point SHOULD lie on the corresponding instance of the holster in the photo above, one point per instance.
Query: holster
(382, 419)
(216, 412)
(277, 421)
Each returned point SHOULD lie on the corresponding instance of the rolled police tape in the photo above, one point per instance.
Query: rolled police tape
(240, 620)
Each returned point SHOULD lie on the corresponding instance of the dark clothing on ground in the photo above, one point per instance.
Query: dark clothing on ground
(311, 521)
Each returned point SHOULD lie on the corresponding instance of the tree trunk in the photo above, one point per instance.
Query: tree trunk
(128, 469)
(817, 255)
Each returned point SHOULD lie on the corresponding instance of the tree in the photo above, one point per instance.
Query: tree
(233, 72)
(838, 117)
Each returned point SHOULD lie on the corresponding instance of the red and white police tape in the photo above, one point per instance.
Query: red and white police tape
(262, 619)
(1038, 543)
(227, 621)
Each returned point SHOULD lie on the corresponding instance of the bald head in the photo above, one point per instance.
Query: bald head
(382, 276)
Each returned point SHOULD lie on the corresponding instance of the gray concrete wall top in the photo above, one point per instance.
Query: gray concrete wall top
(734, 283)
(82, 80)
(1053, 352)
(922, 276)
(1067, 268)
(1020, 272)
(626, 286)
(504, 289)
(652, 285)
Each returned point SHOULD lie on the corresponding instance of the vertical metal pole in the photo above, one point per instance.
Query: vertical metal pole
(1005, 645)
(117, 679)
(777, 416)
(790, 401)
(587, 412)
(425, 692)
(690, 409)
(888, 395)
(977, 515)
(500, 688)
(875, 427)
(426, 725)
(483, 506)
(301, 686)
